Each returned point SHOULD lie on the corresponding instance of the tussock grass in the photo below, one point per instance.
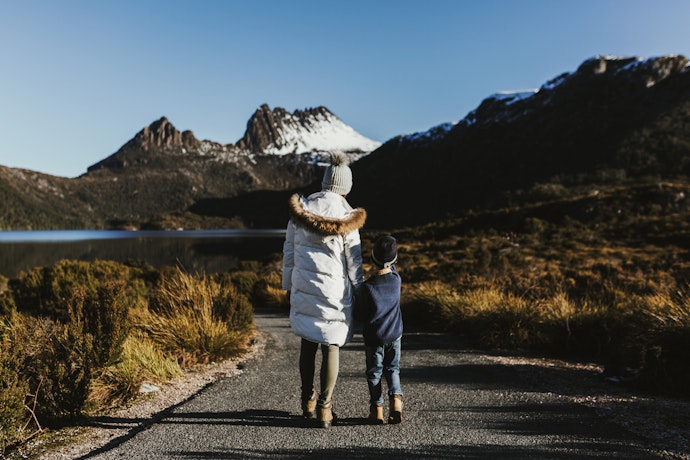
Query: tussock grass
(195, 319)
(141, 361)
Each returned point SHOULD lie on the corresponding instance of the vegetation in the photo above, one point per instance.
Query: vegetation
(601, 275)
(581, 273)
(79, 337)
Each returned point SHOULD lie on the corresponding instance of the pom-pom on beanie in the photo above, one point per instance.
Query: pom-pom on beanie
(385, 252)
(338, 177)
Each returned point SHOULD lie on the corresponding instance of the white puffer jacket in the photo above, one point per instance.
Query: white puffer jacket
(322, 265)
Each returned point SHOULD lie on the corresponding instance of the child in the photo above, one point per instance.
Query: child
(379, 311)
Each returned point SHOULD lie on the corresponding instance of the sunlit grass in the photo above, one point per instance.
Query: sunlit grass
(195, 320)
(142, 361)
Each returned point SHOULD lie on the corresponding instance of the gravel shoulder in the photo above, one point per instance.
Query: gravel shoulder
(459, 403)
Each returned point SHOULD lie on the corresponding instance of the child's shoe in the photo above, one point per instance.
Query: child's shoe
(376, 414)
(309, 406)
(395, 412)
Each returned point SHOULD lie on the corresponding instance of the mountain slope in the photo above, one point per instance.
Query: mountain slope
(34, 201)
(613, 118)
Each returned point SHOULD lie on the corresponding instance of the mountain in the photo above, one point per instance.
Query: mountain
(154, 179)
(278, 132)
(612, 120)
(312, 130)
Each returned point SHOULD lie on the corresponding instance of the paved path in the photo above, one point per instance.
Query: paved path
(457, 405)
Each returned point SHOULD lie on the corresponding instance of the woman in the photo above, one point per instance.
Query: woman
(322, 267)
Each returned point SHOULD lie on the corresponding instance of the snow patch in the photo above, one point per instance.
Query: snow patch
(320, 132)
(511, 97)
(555, 82)
(432, 134)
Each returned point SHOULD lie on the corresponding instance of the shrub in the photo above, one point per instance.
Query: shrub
(48, 290)
(13, 393)
(430, 306)
(268, 292)
(65, 369)
(6, 304)
(103, 317)
(59, 360)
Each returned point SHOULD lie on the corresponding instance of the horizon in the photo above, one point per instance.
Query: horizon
(85, 77)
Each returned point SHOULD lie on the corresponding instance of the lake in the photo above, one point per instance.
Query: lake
(206, 251)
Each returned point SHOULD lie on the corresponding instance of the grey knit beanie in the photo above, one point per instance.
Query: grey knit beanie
(338, 177)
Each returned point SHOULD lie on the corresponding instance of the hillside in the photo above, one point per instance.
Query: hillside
(613, 120)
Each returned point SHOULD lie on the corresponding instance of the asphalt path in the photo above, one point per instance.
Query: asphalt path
(458, 404)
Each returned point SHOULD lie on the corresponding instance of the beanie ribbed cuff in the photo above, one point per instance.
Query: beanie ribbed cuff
(340, 189)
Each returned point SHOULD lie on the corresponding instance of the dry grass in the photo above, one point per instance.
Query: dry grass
(193, 319)
(142, 361)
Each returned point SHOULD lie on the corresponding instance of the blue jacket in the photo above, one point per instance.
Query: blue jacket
(379, 309)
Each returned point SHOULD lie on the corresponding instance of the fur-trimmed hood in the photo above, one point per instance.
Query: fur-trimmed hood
(325, 225)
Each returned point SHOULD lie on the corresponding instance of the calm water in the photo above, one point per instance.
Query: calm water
(194, 250)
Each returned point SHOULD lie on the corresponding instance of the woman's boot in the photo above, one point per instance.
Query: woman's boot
(376, 414)
(309, 406)
(324, 412)
(395, 412)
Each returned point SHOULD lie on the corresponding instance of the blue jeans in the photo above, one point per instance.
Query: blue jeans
(383, 360)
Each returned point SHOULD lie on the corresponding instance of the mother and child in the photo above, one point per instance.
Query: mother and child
(324, 280)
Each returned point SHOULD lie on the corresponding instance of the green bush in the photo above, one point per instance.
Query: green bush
(13, 394)
(59, 360)
(64, 372)
(103, 317)
(47, 290)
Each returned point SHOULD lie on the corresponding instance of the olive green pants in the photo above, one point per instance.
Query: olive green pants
(330, 362)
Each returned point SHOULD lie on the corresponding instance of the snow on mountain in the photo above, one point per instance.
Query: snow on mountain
(505, 107)
(315, 130)
(434, 133)
(511, 97)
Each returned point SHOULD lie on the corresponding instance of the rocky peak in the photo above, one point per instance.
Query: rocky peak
(269, 131)
(278, 131)
(162, 135)
(263, 129)
(646, 72)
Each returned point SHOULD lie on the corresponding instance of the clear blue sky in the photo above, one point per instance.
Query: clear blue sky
(79, 78)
